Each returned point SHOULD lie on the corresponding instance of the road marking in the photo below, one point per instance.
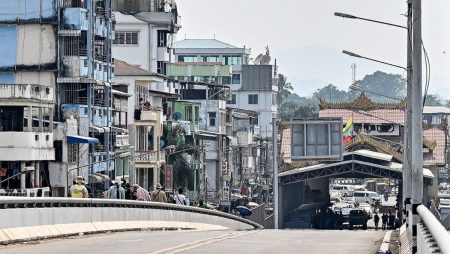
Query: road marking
(203, 242)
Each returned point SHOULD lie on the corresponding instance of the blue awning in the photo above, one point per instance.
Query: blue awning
(74, 139)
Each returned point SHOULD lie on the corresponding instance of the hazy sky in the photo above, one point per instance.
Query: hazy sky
(306, 39)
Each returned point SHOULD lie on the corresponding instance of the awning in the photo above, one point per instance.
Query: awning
(119, 130)
(96, 129)
(206, 136)
(98, 178)
(74, 139)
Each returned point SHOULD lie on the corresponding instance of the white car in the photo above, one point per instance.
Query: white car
(367, 208)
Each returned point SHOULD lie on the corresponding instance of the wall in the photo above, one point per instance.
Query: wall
(138, 55)
(22, 146)
(37, 45)
(27, 10)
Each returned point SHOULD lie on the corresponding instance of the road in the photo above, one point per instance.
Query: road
(217, 242)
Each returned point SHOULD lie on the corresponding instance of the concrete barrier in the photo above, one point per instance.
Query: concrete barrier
(36, 218)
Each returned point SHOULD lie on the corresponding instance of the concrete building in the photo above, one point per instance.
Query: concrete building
(253, 87)
(144, 33)
(28, 69)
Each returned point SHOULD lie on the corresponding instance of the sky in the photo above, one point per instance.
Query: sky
(307, 39)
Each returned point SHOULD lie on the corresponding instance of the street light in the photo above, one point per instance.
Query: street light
(349, 16)
(371, 59)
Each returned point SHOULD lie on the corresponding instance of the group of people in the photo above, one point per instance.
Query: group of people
(388, 221)
(126, 191)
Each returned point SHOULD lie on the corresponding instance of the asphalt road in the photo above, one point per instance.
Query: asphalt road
(217, 242)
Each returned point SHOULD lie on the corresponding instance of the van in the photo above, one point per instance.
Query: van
(345, 190)
(369, 197)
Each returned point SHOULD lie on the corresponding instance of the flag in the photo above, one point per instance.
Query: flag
(348, 130)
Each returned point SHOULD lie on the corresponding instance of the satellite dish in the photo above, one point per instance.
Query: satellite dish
(258, 59)
(176, 116)
(266, 60)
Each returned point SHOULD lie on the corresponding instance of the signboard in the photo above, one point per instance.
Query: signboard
(226, 194)
(316, 139)
(168, 183)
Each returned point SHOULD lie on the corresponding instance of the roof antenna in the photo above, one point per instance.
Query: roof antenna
(214, 36)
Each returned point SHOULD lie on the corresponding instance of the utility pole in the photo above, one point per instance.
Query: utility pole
(275, 172)
(416, 119)
(407, 177)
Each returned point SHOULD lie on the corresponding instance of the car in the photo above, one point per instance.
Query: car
(345, 190)
(367, 208)
(369, 197)
(349, 200)
(357, 217)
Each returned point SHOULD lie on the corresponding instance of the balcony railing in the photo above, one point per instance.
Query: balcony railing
(150, 156)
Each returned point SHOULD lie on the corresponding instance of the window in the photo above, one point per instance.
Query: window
(161, 68)
(236, 79)
(162, 38)
(232, 60)
(187, 59)
(274, 99)
(188, 114)
(232, 100)
(212, 118)
(252, 99)
(226, 80)
(126, 38)
(211, 59)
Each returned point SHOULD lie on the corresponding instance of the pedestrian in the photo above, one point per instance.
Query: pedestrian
(78, 190)
(116, 191)
(384, 220)
(391, 220)
(376, 219)
(140, 193)
(180, 198)
(159, 195)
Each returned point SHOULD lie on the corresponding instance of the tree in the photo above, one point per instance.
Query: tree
(284, 88)
(300, 107)
(434, 100)
(393, 85)
(331, 93)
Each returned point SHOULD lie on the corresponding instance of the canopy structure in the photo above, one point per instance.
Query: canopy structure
(357, 164)
(74, 139)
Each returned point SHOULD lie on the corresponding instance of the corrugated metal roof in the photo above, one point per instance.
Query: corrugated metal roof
(437, 156)
(202, 44)
(374, 155)
(436, 110)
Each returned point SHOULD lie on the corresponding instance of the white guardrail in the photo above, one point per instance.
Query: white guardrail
(26, 212)
(432, 237)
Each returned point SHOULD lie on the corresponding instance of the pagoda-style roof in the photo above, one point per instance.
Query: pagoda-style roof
(361, 103)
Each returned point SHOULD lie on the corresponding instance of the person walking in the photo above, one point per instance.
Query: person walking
(159, 195)
(116, 191)
(140, 193)
(376, 219)
(384, 220)
(78, 190)
(391, 220)
(180, 198)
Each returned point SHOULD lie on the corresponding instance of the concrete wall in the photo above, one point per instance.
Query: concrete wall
(23, 146)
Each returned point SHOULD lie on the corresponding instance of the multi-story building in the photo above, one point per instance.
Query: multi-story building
(27, 91)
(141, 48)
(253, 87)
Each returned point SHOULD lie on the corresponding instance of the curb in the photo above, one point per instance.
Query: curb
(386, 241)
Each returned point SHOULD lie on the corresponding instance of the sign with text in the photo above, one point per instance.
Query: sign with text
(169, 177)
(318, 139)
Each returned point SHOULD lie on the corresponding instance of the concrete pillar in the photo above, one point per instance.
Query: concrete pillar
(30, 119)
(37, 176)
(155, 177)
(22, 176)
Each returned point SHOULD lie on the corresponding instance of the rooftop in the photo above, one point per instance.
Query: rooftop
(436, 110)
(202, 44)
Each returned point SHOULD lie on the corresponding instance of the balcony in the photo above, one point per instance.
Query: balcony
(149, 158)
(26, 146)
(26, 92)
(75, 19)
(150, 114)
(162, 54)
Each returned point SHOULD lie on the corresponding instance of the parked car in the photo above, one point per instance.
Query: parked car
(369, 197)
(357, 217)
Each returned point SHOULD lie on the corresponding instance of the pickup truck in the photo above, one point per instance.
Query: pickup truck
(357, 217)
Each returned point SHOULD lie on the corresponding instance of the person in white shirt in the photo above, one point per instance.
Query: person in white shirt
(180, 199)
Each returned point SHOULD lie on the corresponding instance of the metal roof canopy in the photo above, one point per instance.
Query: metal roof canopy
(359, 164)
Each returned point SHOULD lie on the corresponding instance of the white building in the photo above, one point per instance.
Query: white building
(253, 87)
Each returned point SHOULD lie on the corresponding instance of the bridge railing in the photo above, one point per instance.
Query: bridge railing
(432, 237)
(12, 203)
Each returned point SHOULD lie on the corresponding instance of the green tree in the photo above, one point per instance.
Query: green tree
(298, 107)
(434, 100)
(284, 88)
(393, 85)
(331, 93)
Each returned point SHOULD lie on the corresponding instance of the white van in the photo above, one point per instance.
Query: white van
(345, 190)
(369, 197)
